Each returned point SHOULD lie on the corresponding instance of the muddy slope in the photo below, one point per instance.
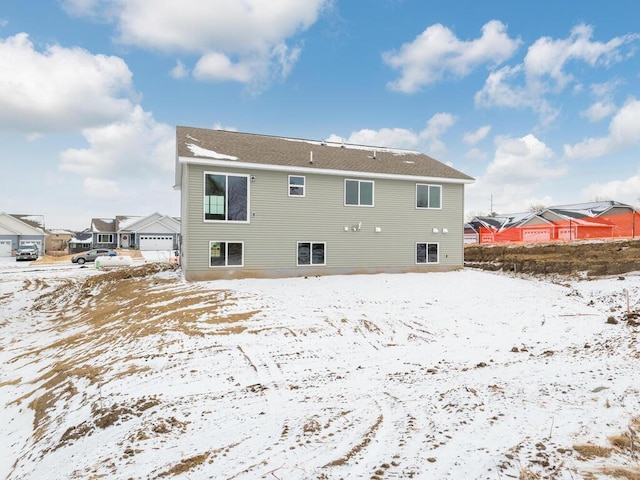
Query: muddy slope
(593, 258)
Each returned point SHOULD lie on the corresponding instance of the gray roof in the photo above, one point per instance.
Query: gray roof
(588, 209)
(575, 210)
(35, 221)
(103, 225)
(263, 151)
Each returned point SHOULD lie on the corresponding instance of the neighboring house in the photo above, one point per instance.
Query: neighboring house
(81, 242)
(471, 235)
(104, 233)
(57, 242)
(264, 206)
(17, 229)
(154, 232)
(592, 220)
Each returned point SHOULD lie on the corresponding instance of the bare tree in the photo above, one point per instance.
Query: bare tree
(536, 207)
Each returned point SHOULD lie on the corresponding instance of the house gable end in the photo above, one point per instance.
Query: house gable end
(15, 226)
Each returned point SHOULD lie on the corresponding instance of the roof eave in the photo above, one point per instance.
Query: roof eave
(323, 171)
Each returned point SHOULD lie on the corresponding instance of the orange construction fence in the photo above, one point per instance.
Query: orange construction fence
(625, 225)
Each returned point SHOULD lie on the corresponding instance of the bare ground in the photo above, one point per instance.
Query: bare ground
(587, 258)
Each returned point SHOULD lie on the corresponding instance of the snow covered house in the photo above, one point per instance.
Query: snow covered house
(20, 229)
(265, 206)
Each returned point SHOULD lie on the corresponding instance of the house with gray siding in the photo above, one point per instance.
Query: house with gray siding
(265, 206)
(21, 229)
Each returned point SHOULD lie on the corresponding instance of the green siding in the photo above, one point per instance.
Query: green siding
(278, 222)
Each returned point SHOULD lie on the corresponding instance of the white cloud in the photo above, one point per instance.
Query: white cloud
(238, 41)
(522, 161)
(545, 71)
(80, 8)
(427, 140)
(500, 90)
(179, 71)
(437, 126)
(626, 191)
(385, 137)
(604, 107)
(60, 89)
(471, 138)
(549, 57)
(476, 154)
(100, 188)
(137, 147)
(513, 177)
(624, 132)
(218, 66)
(437, 53)
(599, 110)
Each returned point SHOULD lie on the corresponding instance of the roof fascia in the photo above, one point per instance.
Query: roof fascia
(342, 173)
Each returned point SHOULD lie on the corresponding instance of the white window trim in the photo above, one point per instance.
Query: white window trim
(226, 242)
(227, 174)
(110, 235)
(311, 264)
(427, 185)
(303, 186)
(415, 253)
(373, 192)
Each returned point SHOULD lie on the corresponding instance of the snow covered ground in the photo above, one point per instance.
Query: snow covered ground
(462, 375)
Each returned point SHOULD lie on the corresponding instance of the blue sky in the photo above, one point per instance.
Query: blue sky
(538, 101)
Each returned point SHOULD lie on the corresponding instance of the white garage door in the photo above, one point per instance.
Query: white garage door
(156, 242)
(5, 248)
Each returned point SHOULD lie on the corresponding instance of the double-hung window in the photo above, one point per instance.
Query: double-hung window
(226, 254)
(311, 253)
(358, 193)
(427, 253)
(105, 238)
(428, 196)
(226, 197)
(296, 185)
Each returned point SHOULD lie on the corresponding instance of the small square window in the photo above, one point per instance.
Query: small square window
(296, 186)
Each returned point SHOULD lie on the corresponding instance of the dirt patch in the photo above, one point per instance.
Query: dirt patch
(593, 259)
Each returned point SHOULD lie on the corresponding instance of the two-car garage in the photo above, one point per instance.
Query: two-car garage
(156, 242)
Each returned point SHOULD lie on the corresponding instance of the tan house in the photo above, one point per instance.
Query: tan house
(57, 242)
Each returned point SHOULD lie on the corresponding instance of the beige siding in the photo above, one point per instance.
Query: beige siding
(278, 222)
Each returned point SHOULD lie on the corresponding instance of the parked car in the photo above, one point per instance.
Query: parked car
(91, 255)
(27, 252)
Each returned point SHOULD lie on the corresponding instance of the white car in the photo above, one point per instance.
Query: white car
(27, 252)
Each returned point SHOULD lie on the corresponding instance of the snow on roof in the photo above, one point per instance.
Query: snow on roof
(502, 222)
(126, 222)
(396, 151)
(35, 221)
(589, 209)
(204, 152)
(75, 240)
